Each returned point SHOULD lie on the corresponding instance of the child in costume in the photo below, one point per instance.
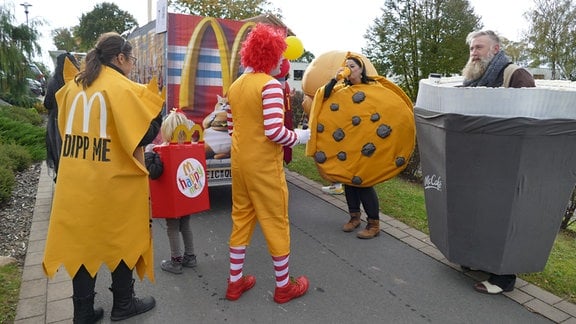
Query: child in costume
(259, 189)
(175, 227)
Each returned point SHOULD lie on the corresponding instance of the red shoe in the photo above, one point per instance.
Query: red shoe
(237, 288)
(293, 289)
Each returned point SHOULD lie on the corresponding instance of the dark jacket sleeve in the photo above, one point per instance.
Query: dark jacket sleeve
(153, 164)
(152, 131)
(50, 97)
(521, 78)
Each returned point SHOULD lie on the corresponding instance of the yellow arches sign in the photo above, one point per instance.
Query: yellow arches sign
(229, 60)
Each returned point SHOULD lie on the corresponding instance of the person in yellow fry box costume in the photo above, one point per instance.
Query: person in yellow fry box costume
(100, 212)
(363, 133)
(259, 189)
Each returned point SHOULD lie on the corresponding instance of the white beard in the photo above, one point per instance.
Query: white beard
(475, 69)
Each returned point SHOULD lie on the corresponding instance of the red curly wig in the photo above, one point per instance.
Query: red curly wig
(263, 48)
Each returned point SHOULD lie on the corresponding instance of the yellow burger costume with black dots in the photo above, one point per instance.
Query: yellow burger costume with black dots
(362, 134)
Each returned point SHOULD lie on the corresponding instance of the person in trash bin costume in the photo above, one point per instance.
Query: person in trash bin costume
(488, 66)
(101, 211)
(259, 188)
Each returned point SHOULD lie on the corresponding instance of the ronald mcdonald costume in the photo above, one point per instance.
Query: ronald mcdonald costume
(100, 131)
(259, 189)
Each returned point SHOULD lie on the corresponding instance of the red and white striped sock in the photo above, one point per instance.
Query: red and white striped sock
(237, 254)
(281, 269)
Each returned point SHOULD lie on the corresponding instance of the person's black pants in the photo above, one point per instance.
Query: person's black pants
(366, 196)
(83, 284)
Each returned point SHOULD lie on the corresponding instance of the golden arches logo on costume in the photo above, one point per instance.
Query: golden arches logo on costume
(229, 60)
(84, 146)
(87, 108)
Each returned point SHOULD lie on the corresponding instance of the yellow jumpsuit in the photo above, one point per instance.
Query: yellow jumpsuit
(259, 189)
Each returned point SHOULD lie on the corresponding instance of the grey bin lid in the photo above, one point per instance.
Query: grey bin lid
(550, 99)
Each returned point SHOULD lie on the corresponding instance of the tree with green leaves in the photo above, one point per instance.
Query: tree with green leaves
(228, 9)
(64, 39)
(306, 57)
(17, 44)
(516, 51)
(105, 17)
(552, 36)
(414, 38)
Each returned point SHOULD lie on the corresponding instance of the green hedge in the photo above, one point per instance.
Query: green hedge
(22, 142)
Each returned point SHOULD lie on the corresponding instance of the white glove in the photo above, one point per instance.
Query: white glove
(302, 136)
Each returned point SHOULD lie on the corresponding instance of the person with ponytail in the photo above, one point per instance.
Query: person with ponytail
(100, 211)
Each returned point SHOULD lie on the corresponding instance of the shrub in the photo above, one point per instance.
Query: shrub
(22, 141)
(25, 115)
(7, 181)
(33, 138)
(15, 157)
(21, 101)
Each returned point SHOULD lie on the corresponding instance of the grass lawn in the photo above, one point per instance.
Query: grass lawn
(404, 201)
(10, 276)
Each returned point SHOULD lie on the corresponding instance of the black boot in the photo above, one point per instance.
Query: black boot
(127, 305)
(84, 312)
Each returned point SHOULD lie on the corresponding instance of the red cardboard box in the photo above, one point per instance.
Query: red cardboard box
(182, 189)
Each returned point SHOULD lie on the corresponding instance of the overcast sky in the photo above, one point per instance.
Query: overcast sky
(321, 25)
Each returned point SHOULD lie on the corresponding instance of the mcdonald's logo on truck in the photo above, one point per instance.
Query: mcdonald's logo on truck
(196, 59)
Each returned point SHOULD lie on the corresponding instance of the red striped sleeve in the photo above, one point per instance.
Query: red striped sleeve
(273, 112)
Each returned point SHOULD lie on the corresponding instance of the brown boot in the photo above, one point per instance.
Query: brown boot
(352, 223)
(371, 230)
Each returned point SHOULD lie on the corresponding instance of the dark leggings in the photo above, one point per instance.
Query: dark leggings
(365, 196)
(83, 284)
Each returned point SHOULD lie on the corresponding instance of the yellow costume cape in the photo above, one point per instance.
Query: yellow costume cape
(100, 211)
(362, 134)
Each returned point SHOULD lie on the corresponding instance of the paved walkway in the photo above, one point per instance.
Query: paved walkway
(49, 301)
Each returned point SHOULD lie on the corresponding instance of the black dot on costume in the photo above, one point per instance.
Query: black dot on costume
(338, 135)
(320, 157)
(375, 117)
(356, 180)
(341, 156)
(368, 149)
(358, 97)
(320, 128)
(334, 107)
(400, 161)
(383, 131)
(356, 120)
